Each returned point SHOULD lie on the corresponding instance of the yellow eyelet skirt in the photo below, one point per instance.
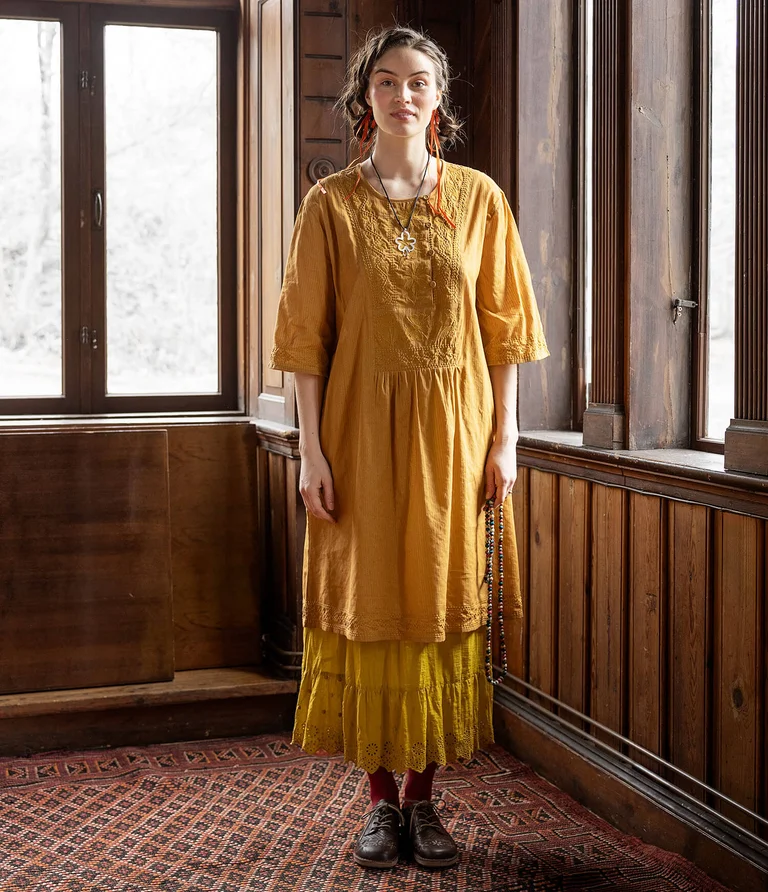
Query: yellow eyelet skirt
(397, 704)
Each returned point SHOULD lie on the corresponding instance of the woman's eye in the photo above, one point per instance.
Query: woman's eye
(420, 84)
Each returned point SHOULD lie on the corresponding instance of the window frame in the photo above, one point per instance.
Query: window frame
(83, 258)
(701, 204)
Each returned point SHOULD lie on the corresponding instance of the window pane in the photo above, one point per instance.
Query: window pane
(161, 197)
(722, 217)
(30, 209)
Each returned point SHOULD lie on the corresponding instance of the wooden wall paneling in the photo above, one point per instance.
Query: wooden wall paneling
(214, 548)
(322, 60)
(647, 618)
(543, 577)
(450, 24)
(278, 535)
(545, 69)
(246, 315)
(271, 160)
(609, 607)
(491, 111)
(367, 14)
(516, 628)
(604, 417)
(284, 523)
(690, 670)
(574, 547)
(746, 439)
(273, 193)
(739, 720)
(658, 364)
(85, 573)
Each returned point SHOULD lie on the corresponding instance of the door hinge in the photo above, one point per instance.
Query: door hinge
(88, 337)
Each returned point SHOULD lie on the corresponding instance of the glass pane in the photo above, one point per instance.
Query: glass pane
(722, 219)
(30, 209)
(161, 200)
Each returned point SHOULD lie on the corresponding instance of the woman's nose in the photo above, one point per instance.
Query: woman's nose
(404, 94)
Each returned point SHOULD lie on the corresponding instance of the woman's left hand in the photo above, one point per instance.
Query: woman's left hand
(500, 471)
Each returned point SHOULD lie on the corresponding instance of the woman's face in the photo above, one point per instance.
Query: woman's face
(402, 91)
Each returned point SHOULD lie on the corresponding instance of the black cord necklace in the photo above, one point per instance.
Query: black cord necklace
(405, 241)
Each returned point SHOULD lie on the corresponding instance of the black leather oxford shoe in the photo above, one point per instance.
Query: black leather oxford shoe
(378, 844)
(430, 842)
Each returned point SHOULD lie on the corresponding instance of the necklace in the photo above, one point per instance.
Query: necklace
(489, 549)
(405, 241)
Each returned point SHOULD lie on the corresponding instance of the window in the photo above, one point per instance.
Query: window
(117, 210)
(714, 402)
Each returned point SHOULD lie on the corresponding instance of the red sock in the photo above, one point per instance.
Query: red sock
(383, 786)
(418, 784)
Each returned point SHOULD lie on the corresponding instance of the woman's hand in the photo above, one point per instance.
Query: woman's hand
(500, 470)
(316, 484)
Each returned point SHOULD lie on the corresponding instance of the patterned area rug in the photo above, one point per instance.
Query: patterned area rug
(258, 815)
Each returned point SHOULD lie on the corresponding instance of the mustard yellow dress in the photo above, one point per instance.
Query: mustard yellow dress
(394, 593)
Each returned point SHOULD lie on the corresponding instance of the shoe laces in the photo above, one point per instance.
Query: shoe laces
(379, 815)
(429, 812)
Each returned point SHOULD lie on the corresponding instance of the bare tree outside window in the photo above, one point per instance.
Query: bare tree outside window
(161, 217)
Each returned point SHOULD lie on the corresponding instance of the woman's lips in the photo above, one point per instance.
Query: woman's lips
(403, 116)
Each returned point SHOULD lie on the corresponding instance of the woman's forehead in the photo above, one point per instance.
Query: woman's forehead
(404, 62)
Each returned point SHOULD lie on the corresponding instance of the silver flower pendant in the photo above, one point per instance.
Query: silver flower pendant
(405, 242)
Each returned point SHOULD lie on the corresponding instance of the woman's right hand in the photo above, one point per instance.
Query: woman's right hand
(316, 485)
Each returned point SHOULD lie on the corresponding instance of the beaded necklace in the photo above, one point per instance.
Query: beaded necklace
(489, 550)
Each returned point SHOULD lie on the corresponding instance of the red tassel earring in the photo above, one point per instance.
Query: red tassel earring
(363, 130)
(434, 149)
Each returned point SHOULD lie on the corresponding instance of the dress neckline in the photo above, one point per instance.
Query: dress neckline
(383, 197)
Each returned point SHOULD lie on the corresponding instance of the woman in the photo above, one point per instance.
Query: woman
(406, 306)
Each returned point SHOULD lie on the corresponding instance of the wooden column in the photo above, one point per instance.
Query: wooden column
(604, 419)
(746, 439)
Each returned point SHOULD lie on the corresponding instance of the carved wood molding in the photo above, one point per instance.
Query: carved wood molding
(746, 440)
(610, 214)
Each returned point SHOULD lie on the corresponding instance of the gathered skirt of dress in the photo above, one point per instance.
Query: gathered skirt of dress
(396, 704)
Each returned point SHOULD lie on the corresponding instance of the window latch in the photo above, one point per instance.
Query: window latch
(678, 305)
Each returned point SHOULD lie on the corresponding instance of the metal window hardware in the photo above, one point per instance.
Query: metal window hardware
(678, 305)
(84, 80)
(98, 209)
(88, 336)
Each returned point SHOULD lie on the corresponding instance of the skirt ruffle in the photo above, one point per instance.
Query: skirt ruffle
(396, 704)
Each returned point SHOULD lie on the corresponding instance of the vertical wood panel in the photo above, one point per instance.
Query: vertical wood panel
(213, 529)
(516, 628)
(689, 638)
(278, 534)
(658, 361)
(545, 68)
(85, 560)
(271, 178)
(746, 440)
(647, 608)
(574, 569)
(543, 581)
(603, 422)
(609, 579)
(739, 659)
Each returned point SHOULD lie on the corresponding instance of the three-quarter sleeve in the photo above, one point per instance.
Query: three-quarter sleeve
(509, 319)
(305, 328)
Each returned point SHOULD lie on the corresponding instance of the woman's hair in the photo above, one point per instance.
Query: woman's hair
(352, 98)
